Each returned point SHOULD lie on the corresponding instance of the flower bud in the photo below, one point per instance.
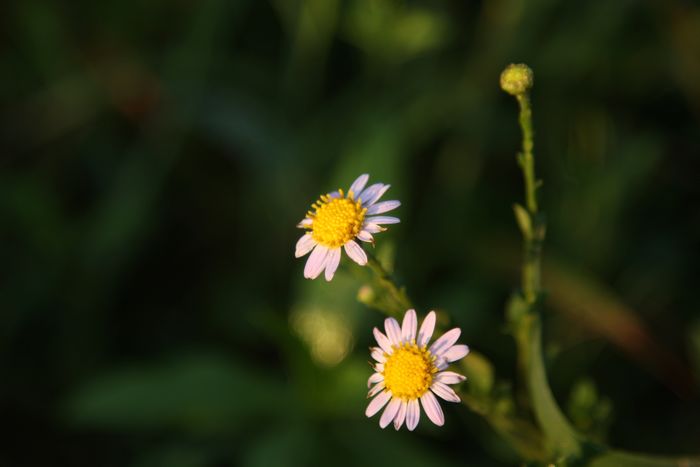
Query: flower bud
(517, 79)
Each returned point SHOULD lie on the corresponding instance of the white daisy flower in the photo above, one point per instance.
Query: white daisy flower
(337, 220)
(407, 370)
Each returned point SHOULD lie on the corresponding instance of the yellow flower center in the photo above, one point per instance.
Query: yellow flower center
(408, 371)
(336, 220)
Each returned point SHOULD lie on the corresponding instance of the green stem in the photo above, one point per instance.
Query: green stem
(561, 438)
(527, 160)
(523, 311)
(533, 232)
(398, 301)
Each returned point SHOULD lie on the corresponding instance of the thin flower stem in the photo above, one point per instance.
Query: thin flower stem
(533, 231)
(527, 161)
(398, 301)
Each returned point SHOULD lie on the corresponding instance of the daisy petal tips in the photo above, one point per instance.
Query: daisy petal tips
(336, 220)
(408, 373)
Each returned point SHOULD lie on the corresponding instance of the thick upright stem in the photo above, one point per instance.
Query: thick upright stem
(523, 310)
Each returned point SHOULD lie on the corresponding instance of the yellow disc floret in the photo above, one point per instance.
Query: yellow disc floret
(335, 221)
(408, 371)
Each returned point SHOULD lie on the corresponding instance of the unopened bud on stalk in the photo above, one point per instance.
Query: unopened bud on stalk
(517, 79)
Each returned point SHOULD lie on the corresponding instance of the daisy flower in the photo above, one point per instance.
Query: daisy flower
(336, 220)
(408, 371)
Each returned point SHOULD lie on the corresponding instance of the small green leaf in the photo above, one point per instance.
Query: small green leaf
(523, 219)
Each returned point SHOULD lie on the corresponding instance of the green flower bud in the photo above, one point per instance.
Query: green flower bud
(517, 79)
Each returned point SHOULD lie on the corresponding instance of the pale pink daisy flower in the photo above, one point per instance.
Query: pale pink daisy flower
(408, 371)
(337, 219)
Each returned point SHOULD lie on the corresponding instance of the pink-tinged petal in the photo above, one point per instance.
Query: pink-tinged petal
(383, 220)
(409, 326)
(449, 377)
(390, 412)
(456, 352)
(332, 263)
(445, 342)
(378, 387)
(393, 331)
(305, 244)
(372, 194)
(374, 379)
(382, 340)
(441, 364)
(378, 354)
(384, 206)
(373, 228)
(316, 262)
(379, 368)
(365, 236)
(412, 415)
(356, 253)
(377, 403)
(444, 392)
(358, 185)
(401, 416)
(426, 330)
(432, 408)
(334, 194)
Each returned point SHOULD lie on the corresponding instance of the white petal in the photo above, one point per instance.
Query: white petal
(332, 263)
(306, 222)
(305, 244)
(356, 253)
(432, 408)
(365, 236)
(444, 391)
(393, 331)
(372, 392)
(409, 325)
(449, 377)
(379, 368)
(382, 340)
(445, 342)
(316, 262)
(369, 193)
(390, 412)
(384, 206)
(377, 403)
(456, 352)
(412, 414)
(372, 194)
(358, 185)
(378, 355)
(373, 228)
(426, 330)
(401, 416)
(374, 379)
(383, 220)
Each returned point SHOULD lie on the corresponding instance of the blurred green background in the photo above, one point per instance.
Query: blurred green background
(156, 156)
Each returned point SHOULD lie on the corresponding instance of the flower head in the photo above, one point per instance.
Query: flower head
(336, 220)
(408, 371)
(517, 79)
